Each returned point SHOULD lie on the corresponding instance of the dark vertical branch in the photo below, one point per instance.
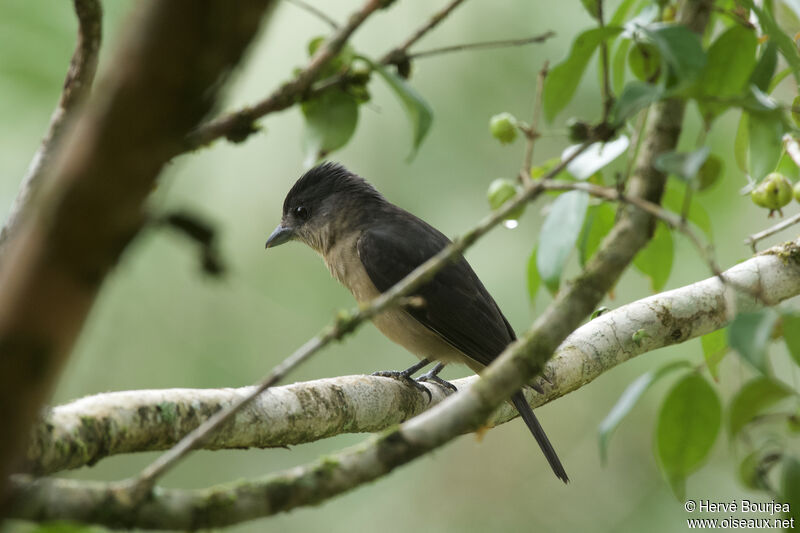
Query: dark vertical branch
(165, 78)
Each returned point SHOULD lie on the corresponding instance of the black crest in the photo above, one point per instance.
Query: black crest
(326, 180)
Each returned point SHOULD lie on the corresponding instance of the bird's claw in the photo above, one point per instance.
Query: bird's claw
(404, 376)
(430, 376)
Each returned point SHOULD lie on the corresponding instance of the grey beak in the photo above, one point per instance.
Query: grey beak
(281, 235)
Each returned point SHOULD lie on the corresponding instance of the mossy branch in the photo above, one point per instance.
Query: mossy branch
(87, 430)
(91, 428)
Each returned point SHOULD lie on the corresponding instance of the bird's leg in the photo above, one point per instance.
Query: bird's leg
(433, 375)
(405, 375)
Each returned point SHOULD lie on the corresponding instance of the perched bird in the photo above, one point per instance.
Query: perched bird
(369, 244)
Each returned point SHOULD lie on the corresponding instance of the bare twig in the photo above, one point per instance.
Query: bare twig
(346, 322)
(532, 131)
(78, 84)
(316, 12)
(487, 45)
(238, 125)
(780, 226)
(399, 53)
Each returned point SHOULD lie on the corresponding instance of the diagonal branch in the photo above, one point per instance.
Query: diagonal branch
(92, 428)
(352, 404)
(515, 367)
(238, 125)
(346, 322)
(77, 86)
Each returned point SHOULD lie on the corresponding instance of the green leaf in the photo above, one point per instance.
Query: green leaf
(779, 77)
(595, 157)
(500, 191)
(534, 279)
(599, 221)
(715, 346)
(618, 65)
(592, 7)
(685, 165)
(331, 120)
(787, 166)
(636, 96)
(655, 259)
(765, 133)
(765, 68)
(790, 485)
(621, 13)
(688, 424)
(681, 49)
(418, 111)
(752, 399)
(784, 43)
(563, 79)
(791, 334)
(731, 60)
(749, 470)
(559, 234)
(630, 396)
(336, 65)
(749, 334)
(795, 111)
(673, 200)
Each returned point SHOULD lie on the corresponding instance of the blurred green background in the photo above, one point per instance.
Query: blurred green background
(159, 323)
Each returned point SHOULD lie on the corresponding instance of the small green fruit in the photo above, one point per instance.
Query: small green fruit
(500, 191)
(503, 127)
(645, 62)
(773, 193)
(759, 197)
(797, 191)
(709, 173)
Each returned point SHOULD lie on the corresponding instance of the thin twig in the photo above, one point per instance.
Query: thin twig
(780, 226)
(239, 125)
(138, 487)
(532, 132)
(78, 84)
(486, 45)
(316, 12)
(399, 53)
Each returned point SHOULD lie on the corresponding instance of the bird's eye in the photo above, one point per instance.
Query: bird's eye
(301, 212)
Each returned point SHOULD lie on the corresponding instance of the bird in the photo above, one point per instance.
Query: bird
(370, 244)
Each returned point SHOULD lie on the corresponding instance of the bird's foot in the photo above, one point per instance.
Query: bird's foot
(433, 375)
(405, 376)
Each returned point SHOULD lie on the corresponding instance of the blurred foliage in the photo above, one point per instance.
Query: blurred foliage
(161, 323)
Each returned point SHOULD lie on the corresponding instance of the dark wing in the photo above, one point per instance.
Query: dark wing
(457, 305)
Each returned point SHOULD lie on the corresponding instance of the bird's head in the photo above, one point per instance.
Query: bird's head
(325, 203)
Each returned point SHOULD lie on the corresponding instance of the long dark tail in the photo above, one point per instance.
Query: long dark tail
(525, 411)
